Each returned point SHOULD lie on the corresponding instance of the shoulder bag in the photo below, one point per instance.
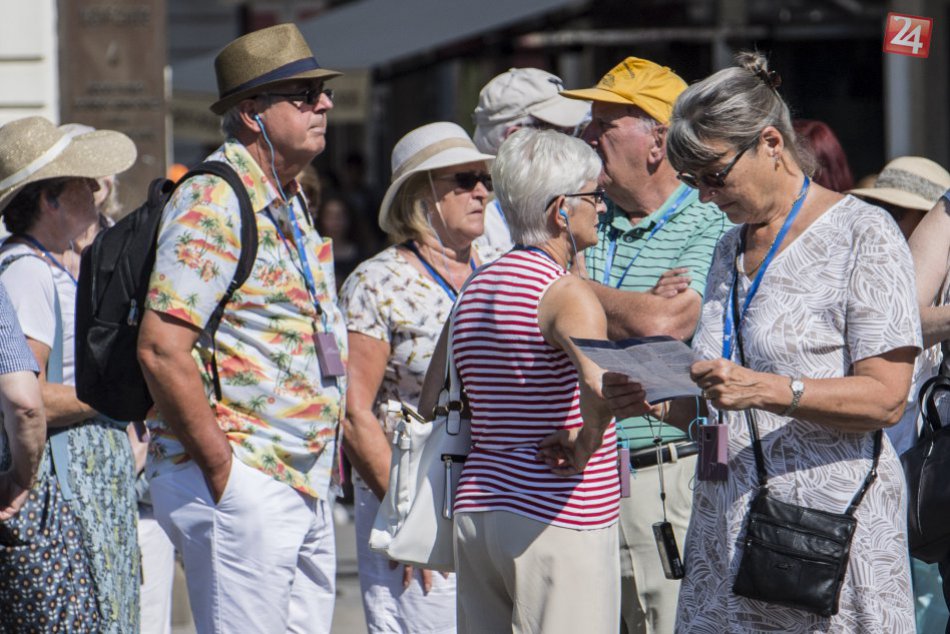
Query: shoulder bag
(793, 555)
(414, 524)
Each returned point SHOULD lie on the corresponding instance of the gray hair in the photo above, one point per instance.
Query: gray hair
(534, 166)
(488, 138)
(733, 105)
(231, 123)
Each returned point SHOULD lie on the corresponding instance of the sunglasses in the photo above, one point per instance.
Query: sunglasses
(599, 196)
(715, 180)
(310, 96)
(468, 180)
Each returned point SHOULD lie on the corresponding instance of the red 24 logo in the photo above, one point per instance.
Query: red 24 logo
(907, 35)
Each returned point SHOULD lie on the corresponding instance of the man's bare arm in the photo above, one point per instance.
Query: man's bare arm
(164, 350)
(645, 314)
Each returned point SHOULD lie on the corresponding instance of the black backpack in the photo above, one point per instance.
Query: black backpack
(110, 300)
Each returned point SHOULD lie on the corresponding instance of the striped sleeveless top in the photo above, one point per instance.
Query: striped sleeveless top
(521, 389)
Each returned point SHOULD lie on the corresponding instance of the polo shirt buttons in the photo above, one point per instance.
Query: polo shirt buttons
(629, 238)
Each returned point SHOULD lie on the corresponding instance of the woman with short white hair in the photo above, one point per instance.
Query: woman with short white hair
(537, 502)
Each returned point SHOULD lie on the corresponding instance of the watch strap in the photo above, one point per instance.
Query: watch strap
(796, 395)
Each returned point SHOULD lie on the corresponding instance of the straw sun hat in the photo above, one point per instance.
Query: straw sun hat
(912, 182)
(433, 146)
(33, 149)
(254, 62)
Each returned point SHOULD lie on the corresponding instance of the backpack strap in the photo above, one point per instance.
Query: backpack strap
(248, 252)
(58, 440)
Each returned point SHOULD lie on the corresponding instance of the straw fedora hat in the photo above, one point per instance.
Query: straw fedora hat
(254, 62)
(33, 149)
(912, 182)
(435, 145)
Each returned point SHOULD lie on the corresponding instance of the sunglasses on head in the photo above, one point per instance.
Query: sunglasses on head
(715, 180)
(468, 180)
(310, 96)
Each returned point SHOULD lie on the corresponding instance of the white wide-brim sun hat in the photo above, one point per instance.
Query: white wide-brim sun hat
(33, 149)
(432, 146)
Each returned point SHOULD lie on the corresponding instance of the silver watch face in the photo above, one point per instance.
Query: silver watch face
(798, 385)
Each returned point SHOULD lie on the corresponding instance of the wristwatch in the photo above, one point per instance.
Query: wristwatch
(798, 388)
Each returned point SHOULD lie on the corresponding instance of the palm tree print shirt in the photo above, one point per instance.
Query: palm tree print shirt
(280, 415)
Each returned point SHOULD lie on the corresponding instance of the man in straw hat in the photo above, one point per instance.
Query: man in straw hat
(243, 487)
(515, 99)
(654, 226)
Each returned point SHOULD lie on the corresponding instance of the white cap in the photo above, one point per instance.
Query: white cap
(521, 92)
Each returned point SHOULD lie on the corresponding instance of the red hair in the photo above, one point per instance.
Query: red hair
(833, 171)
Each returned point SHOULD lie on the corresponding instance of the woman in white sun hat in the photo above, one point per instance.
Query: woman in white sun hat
(395, 305)
(75, 537)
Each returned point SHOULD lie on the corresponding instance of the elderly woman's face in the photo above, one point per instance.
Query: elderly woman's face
(739, 183)
(78, 199)
(583, 212)
(462, 192)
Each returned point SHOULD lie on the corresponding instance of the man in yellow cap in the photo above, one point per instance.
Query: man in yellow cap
(649, 271)
(244, 442)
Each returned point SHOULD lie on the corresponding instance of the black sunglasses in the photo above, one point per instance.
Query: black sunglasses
(716, 180)
(598, 194)
(310, 96)
(468, 180)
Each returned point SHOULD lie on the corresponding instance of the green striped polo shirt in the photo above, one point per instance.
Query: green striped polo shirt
(686, 240)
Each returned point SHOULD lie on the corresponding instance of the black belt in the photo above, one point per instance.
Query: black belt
(646, 457)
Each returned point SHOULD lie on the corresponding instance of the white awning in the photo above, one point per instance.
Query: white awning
(370, 33)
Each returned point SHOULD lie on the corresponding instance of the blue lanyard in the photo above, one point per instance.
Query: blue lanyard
(441, 281)
(612, 245)
(304, 267)
(36, 243)
(728, 326)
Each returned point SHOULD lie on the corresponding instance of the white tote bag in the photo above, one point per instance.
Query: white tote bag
(414, 522)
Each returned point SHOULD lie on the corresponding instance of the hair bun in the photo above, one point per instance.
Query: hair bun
(755, 63)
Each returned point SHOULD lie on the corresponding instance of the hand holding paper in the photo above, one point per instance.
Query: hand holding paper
(660, 365)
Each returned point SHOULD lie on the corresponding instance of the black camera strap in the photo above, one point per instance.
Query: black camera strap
(754, 428)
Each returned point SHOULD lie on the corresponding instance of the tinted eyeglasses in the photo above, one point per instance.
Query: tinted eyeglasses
(468, 180)
(310, 96)
(715, 180)
(598, 195)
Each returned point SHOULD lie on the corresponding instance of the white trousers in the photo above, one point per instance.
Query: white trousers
(158, 574)
(388, 606)
(262, 560)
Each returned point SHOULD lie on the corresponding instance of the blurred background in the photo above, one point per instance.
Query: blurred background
(145, 67)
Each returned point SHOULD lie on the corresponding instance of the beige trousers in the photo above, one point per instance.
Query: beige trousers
(648, 598)
(520, 575)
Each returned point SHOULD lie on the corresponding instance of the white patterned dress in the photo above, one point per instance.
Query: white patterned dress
(388, 299)
(841, 292)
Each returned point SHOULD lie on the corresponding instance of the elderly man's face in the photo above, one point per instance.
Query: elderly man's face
(623, 137)
(297, 129)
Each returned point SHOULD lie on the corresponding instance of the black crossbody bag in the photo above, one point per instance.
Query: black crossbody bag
(793, 555)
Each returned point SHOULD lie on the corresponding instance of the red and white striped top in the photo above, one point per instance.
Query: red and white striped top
(521, 389)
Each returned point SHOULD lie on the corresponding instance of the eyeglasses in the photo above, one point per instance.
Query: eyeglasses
(716, 180)
(310, 96)
(599, 196)
(468, 180)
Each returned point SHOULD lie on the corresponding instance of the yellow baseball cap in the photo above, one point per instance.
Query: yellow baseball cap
(636, 82)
